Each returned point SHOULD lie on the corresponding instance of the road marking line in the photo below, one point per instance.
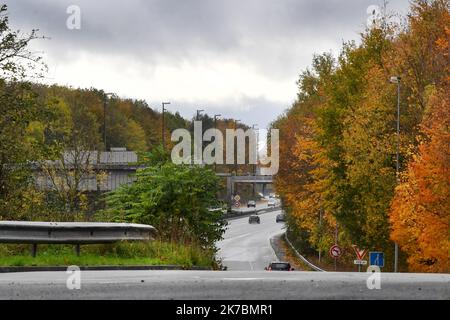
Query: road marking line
(237, 237)
(242, 279)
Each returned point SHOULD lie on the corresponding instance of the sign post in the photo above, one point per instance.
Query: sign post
(335, 252)
(360, 256)
(376, 258)
(236, 199)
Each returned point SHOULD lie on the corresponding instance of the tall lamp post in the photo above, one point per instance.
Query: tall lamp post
(396, 79)
(105, 100)
(215, 120)
(215, 127)
(162, 127)
(235, 149)
(198, 114)
(254, 165)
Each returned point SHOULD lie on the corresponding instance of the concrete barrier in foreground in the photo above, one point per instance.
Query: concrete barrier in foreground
(76, 233)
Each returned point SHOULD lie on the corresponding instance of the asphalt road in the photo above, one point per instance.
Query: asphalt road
(247, 246)
(237, 285)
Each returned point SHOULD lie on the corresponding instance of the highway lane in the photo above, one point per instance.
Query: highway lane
(237, 285)
(247, 246)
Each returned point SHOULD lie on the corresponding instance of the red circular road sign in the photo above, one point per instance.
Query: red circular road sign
(335, 251)
(237, 204)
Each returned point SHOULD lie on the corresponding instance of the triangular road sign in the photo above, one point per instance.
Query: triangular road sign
(359, 253)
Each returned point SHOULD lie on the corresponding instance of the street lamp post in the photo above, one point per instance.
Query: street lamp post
(254, 165)
(320, 233)
(235, 149)
(396, 79)
(215, 127)
(105, 97)
(198, 114)
(162, 127)
(215, 120)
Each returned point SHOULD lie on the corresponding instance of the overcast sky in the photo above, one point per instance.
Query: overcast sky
(239, 58)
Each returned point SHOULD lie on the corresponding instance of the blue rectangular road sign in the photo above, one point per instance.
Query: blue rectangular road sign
(376, 258)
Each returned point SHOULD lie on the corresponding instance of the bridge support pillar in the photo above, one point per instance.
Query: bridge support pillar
(229, 192)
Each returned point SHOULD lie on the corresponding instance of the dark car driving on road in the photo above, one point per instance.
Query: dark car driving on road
(280, 217)
(279, 266)
(254, 219)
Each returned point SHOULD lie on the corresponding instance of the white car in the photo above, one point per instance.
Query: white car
(271, 203)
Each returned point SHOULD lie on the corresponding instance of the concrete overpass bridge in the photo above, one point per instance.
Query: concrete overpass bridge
(262, 180)
(120, 165)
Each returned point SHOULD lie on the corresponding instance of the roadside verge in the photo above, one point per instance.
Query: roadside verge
(284, 250)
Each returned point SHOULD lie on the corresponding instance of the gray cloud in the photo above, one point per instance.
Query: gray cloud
(274, 38)
(188, 28)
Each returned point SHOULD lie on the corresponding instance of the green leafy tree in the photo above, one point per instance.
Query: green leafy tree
(21, 116)
(173, 198)
(67, 174)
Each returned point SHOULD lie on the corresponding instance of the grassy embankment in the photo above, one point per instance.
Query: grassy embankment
(124, 253)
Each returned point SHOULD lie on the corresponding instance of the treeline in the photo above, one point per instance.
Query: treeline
(132, 124)
(81, 116)
(39, 123)
(129, 123)
(338, 144)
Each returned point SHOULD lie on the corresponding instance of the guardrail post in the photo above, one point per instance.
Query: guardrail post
(77, 249)
(33, 250)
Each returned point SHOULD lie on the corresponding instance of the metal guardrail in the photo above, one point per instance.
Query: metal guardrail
(314, 267)
(239, 214)
(253, 179)
(76, 233)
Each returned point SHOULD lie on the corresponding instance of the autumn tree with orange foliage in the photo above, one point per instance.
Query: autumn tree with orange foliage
(420, 211)
(338, 143)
